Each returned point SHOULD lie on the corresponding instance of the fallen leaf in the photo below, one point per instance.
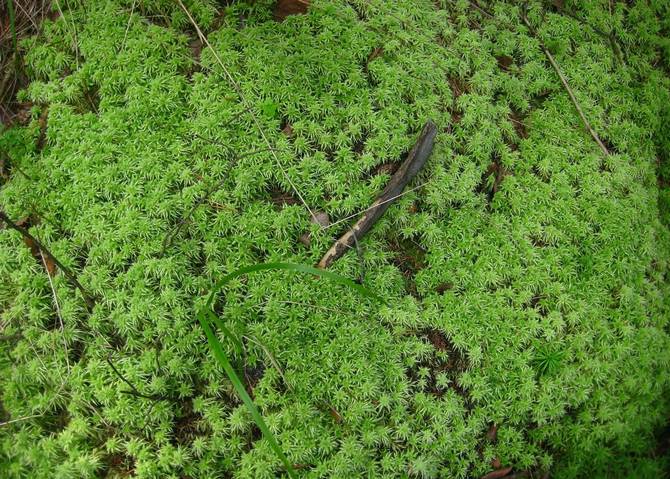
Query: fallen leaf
(321, 218)
(285, 8)
(495, 463)
(492, 433)
(24, 113)
(498, 473)
(49, 264)
(336, 415)
(375, 53)
(44, 259)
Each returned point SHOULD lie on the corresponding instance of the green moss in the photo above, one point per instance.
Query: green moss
(528, 277)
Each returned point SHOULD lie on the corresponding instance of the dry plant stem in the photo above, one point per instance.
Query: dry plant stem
(610, 37)
(566, 85)
(58, 313)
(415, 160)
(19, 419)
(246, 105)
(130, 18)
(393, 198)
(90, 302)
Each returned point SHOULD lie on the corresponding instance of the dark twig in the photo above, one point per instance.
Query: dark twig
(88, 298)
(133, 391)
(566, 85)
(415, 160)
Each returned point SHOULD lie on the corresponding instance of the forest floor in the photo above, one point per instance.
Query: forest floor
(149, 148)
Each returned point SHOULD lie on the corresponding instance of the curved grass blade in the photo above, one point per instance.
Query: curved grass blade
(205, 315)
(221, 357)
(237, 344)
(301, 268)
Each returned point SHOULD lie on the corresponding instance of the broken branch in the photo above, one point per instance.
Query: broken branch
(415, 160)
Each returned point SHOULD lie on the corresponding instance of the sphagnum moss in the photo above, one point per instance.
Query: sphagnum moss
(537, 266)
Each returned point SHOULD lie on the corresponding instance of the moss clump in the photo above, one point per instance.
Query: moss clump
(537, 267)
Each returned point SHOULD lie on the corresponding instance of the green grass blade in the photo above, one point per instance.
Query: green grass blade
(205, 315)
(302, 268)
(237, 344)
(221, 357)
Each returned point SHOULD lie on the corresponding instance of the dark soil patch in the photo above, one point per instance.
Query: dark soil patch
(280, 199)
(55, 422)
(505, 62)
(458, 86)
(446, 360)
(188, 425)
(409, 257)
(118, 465)
(663, 442)
(252, 375)
(495, 172)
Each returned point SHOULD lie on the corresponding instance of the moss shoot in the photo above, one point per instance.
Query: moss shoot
(525, 275)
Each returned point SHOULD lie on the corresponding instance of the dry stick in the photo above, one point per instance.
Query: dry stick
(246, 106)
(415, 160)
(392, 198)
(564, 80)
(90, 302)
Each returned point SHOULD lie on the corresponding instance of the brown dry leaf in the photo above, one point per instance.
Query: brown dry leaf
(23, 113)
(48, 264)
(321, 218)
(492, 433)
(498, 473)
(336, 415)
(285, 8)
(41, 258)
(495, 463)
(43, 128)
(375, 53)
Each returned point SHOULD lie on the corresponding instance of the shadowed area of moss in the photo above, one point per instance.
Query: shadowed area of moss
(527, 278)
